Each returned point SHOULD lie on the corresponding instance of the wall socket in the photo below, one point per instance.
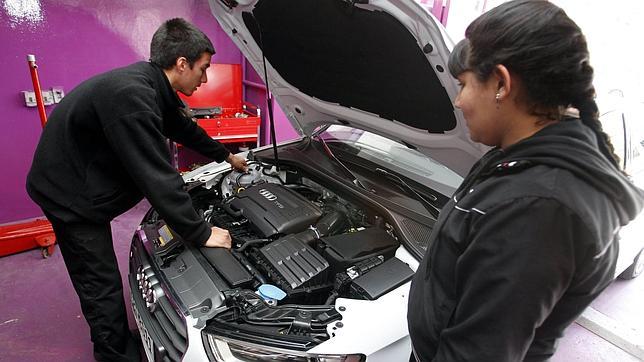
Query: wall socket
(49, 97)
(30, 98)
(58, 94)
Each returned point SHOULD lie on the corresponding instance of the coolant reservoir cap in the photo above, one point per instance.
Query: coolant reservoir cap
(269, 291)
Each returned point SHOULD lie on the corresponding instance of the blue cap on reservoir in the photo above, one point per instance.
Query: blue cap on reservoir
(269, 291)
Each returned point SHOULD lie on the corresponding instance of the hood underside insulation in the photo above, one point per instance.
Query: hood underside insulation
(357, 58)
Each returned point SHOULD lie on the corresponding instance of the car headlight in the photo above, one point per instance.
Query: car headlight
(226, 350)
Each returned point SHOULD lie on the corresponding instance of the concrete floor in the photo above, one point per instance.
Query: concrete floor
(40, 317)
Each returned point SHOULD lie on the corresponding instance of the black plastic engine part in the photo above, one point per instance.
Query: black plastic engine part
(381, 279)
(251, 269)
(304, 318)
(294, 327)
(364, 266)
(167, 244)
(343, 280)
(239, 231)
(228, 266)
(274, 209)
(331, 223)
(345, 250)
(292, 264)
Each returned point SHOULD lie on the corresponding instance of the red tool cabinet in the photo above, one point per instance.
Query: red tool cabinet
(18, 237)
(219, 109)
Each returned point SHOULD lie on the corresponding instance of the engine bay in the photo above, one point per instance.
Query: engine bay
(293, 233)
(296, 247)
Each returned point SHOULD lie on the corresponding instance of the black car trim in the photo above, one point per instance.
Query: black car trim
(163, 345)
(164, 325)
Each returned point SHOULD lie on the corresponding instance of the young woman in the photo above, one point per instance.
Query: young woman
(529, 238)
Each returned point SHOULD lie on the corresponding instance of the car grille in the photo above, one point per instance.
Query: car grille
(164, 324)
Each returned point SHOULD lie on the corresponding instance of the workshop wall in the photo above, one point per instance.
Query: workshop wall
(73, 40)
(283, 129)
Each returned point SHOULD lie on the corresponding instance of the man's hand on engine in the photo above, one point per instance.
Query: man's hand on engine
(219, 238)
(238, 163)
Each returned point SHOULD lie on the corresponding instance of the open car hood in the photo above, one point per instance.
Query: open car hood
(379, 66)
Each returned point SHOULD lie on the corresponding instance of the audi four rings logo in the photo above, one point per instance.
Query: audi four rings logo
(268, 195)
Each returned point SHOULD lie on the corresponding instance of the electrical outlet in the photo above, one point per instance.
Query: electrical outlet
(48, 97)
(59, 93)
(30, 98)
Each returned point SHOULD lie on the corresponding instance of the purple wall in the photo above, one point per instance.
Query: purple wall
(73, 40)
(283, 129)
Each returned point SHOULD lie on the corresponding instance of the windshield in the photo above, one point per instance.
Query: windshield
(396, 157)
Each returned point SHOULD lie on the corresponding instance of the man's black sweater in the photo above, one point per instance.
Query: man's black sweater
(104, 148)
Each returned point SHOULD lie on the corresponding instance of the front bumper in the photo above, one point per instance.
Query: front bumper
(162, 328)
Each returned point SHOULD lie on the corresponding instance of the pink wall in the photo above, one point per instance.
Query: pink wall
(73, 40)
(283, 129)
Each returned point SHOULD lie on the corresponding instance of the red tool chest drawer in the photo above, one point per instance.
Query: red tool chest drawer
(221, 112)
(232, 129)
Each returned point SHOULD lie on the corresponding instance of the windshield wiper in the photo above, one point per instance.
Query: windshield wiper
(330, 153)
(433, 210)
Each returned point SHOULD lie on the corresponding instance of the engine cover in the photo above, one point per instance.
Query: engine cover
(345, 250)
(274, 209)
(291, 263)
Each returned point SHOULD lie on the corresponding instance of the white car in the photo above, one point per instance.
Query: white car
(328, 228)
(621, 119)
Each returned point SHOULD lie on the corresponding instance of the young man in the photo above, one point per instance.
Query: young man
(103, 150)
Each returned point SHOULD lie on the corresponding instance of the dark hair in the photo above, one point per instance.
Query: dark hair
(178, 38)
(537, 41)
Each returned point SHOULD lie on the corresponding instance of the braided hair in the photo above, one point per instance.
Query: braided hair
(536, 40)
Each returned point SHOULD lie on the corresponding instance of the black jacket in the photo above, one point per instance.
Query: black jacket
(524, 245)
(104, 148)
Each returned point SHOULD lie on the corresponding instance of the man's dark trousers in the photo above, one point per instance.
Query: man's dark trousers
(89, 256)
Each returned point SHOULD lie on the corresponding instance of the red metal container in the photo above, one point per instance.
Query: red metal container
(221, 112)
(18, 237)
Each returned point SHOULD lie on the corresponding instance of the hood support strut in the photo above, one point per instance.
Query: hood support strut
(269, 98)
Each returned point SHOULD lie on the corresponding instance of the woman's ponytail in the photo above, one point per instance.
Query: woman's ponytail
(589, 114)
(539, 43)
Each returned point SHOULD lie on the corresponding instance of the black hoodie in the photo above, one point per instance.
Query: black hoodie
(524, 245)
(104, 148)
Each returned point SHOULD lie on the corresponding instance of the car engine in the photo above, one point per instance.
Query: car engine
(296, 247)
(297, 235)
